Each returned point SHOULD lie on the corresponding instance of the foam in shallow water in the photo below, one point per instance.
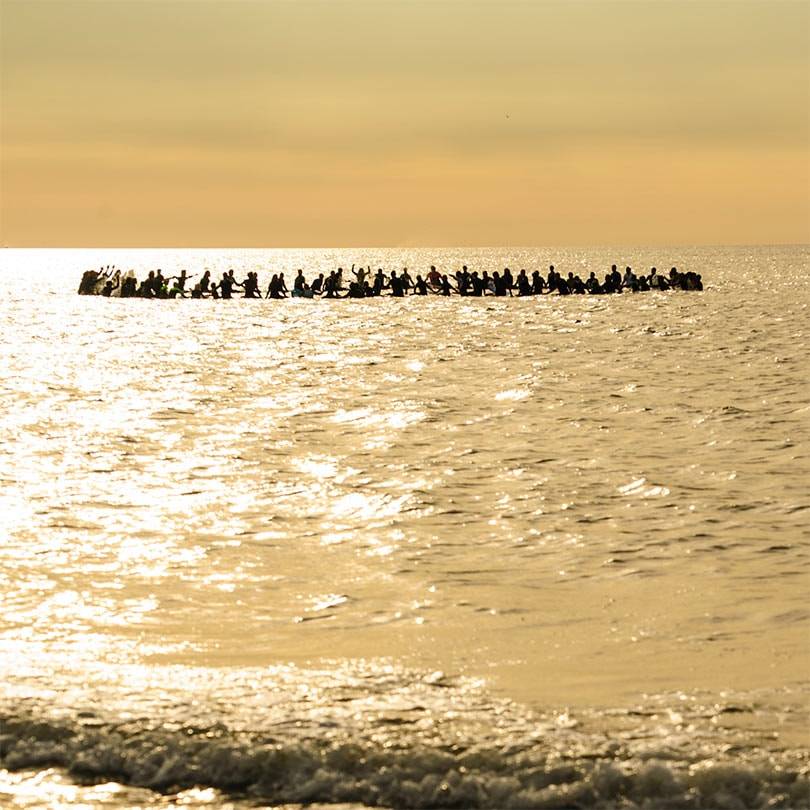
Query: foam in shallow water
(377, 735)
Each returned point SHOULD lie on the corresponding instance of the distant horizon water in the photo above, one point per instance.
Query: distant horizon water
(552, 246)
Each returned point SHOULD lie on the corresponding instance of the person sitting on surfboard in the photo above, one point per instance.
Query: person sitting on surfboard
(251, 286)
(360, 275)
(508, 280)
(379, 282)
(397, 288)
(330, 286)
(272, 287)
(109, 286)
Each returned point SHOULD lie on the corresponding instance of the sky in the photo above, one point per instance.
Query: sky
(263, 123)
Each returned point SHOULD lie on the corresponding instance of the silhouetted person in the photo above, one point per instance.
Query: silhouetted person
(251, 286)
(499, 283)
(379, 282)
(87, 285)
(508, 280)
(523, 284)
(397, 289)
(109, 287)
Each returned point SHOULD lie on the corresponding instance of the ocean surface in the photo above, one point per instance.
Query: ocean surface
(545, 552)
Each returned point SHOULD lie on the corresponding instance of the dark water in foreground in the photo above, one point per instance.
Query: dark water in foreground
(424, 553)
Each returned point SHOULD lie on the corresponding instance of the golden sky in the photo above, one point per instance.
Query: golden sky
(404, 122)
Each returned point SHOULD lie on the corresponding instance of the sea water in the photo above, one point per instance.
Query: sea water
(541, 552)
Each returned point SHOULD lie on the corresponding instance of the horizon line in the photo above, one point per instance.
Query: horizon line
(410, 247)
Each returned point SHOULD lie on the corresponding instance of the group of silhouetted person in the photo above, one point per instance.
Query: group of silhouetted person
(364, 283)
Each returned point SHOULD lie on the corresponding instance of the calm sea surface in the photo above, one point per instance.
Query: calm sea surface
(544, 552)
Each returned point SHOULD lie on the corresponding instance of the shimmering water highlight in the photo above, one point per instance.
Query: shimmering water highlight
(242, 537)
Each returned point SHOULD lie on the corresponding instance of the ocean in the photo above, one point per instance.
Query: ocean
(425, 553)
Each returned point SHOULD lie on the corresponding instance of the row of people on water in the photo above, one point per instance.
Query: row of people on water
(366, 284)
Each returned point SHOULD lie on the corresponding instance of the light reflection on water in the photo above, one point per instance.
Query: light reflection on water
(578, 499)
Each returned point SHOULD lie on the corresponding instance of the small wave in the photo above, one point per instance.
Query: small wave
(642, 488)
(515, 394)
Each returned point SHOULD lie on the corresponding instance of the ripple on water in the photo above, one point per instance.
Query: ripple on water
(579, 500)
